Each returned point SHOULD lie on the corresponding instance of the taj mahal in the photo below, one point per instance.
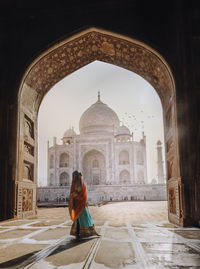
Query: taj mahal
(113, 165)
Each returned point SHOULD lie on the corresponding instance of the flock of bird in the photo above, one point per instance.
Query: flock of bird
(137, 125)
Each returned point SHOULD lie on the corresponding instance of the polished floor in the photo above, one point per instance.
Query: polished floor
(133, 235)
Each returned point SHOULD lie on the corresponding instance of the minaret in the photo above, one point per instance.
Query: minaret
(160, 163)
(99, 98)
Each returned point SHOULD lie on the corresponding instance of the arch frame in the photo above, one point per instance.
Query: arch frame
(67, 159)
(61, 178)
(98, 170)
(122, 173)
(71, 54)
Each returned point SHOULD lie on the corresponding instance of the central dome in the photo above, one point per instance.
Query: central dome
(98, 118)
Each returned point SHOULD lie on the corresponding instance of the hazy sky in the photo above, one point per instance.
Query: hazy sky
(124, 91)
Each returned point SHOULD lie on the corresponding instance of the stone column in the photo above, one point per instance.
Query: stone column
(160, 163)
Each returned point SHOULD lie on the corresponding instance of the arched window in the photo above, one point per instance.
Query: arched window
(64, 179)
(140, 176)
(64, 160)
(51, 161)
(140, 158)
(124, 157)
(95, 164)
(124, 177)
(95, 179)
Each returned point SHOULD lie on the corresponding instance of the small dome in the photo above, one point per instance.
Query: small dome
(98, 118)
(69, 133)
(122, 130)
(159, 143)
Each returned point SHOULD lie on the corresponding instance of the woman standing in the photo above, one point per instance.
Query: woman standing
(83, 225)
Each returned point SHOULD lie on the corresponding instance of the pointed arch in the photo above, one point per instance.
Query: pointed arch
(64, 160)
(94, 167)
(64, 179)
(124, 177)
(71, 54)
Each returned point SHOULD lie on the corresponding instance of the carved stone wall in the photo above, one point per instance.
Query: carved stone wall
(91, 45)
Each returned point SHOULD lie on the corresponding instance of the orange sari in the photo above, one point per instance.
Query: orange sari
(77, 201)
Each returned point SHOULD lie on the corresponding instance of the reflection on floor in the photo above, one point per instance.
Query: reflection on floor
(46, 243)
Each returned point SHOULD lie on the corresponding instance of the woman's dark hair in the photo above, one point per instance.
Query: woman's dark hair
(75, 174)
(76, 177)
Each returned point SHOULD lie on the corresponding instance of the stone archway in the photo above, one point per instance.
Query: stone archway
(124, 177)
(70, 55)
(64, 179)
(64, 160)
(94, 167)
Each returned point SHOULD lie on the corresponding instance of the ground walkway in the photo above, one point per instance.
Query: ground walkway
(133, 235)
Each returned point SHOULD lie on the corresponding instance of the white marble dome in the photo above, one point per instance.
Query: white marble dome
(98, 118)
(69, 133)
(122, 130)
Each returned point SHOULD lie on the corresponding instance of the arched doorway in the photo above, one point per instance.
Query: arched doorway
(94, 167)
(64, 179)
(124, 177)
(70, 55)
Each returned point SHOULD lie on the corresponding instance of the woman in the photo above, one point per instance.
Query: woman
(83, 225)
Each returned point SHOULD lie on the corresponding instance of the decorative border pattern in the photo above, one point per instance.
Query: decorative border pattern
(92, 46)
(26, 202)
(173, 187)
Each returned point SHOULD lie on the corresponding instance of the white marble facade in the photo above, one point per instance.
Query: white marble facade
(104, 152)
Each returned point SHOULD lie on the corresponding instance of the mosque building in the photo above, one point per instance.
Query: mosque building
(113, 165)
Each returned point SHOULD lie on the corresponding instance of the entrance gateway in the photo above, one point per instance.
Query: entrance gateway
(63, 59)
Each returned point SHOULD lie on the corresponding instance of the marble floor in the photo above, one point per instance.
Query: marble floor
(133, 235)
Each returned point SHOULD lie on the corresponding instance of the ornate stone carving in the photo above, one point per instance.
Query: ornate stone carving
(169, 168)
(168, 121)
(28, 171)
(28, 127)
(27, 200)
(96, 45)
(170, 144)
(28, 148)
(172, 200)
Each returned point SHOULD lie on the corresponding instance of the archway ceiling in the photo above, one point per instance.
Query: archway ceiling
(71, 55)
